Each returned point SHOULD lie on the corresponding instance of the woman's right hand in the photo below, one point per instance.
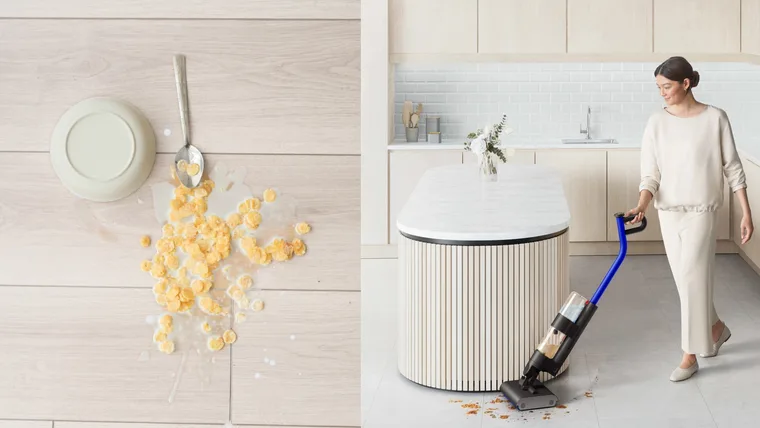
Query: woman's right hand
(639, 212)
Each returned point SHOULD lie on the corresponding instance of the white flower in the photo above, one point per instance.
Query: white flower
(507, 131)
(478, 145)
(487, 130)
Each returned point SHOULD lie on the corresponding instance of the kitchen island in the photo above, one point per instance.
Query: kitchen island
(483, 270)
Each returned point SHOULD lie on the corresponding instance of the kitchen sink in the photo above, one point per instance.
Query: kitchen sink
(589, 141)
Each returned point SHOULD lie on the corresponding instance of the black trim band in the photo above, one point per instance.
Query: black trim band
(517, 241)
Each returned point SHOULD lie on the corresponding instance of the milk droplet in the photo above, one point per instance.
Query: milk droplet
(139, 201)
(150, 319)
(257, 375)
(167, 132)
(292, 337)
(272, 363)
(299, 373)
(266, 360)
(144, 356)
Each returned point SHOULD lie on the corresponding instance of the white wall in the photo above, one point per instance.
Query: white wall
(547, 101)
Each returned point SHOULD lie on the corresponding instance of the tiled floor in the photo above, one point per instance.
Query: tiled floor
(619, 370)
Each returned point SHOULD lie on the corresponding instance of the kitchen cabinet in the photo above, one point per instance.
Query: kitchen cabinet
(697, 26)
(433, 26)
(750, 37)
(519, 26)
(609, 26)
(406, 167)
(752, 248)
(584, 176)
(623, 178)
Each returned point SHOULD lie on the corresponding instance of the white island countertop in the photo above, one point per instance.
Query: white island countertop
(398, 145)
(453, 205)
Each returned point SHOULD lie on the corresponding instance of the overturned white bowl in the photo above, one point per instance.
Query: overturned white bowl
(103, 149)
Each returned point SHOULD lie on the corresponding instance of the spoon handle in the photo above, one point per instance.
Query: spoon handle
(180, 76)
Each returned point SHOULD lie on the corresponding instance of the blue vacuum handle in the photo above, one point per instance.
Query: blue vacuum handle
(623, 233)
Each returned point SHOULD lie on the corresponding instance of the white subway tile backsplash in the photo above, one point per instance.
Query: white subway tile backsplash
(545, 102)
(528, 87)
(479, 98)
(467, 87)
(456, 98)
(488, 88)
(601, 97)
(540, 77)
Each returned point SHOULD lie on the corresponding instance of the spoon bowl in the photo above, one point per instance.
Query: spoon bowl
(190, 155)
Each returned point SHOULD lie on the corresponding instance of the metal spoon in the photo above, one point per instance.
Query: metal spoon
(188, 153)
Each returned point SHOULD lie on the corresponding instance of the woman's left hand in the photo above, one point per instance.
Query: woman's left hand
(746, 228)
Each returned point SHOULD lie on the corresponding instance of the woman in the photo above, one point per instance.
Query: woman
(687, 150)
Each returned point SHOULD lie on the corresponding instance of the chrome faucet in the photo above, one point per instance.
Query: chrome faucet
(587, 131)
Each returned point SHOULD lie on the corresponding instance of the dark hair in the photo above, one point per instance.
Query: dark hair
(676, 68)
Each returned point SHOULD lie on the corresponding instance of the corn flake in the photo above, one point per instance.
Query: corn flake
(257, 305)
(229, 337)
(270, 195)
(167, 347)
(303, 228)
(215, 343)
(193, 169)
(245, 282)
(158, 271)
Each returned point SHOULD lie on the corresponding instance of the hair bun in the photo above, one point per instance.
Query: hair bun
(695, 79)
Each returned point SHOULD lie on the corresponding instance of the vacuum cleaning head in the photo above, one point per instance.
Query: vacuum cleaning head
(534, 397)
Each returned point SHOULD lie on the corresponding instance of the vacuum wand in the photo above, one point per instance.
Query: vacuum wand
(528, 392)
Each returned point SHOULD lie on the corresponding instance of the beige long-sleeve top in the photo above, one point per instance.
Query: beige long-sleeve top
(684, 160)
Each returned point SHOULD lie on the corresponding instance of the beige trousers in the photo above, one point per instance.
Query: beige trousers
(689, 239)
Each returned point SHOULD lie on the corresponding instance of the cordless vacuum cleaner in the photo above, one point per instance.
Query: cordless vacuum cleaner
(529, 393)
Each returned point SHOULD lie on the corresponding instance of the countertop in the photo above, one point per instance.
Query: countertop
(751, 153)
(748, 150)
(452, 203)
(459, 145)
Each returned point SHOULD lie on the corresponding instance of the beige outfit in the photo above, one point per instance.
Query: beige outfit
(683, 164)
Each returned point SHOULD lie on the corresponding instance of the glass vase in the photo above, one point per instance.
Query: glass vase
(488, 170)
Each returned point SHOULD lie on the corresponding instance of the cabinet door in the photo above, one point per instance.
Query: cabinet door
(750, 11)
(433, 26)
(623, 178)
(609, 26)
(406, 169)
(584, 175)
(521, 156)
(751, 248)
(519, 26)
(697, 26)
